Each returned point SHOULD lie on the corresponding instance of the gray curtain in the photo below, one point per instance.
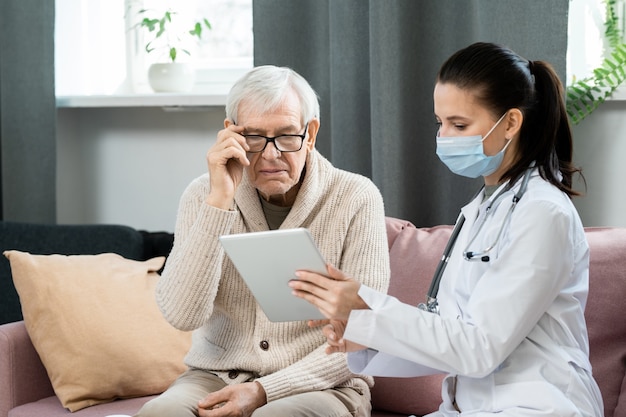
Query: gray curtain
(27, 111)
(373, 64)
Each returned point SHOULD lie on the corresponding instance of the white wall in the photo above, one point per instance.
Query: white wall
(129, 165)
(600, 149)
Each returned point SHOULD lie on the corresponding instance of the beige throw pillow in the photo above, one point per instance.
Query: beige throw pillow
(95, 323)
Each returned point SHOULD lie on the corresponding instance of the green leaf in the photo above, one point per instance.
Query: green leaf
(149, 23)
(197, 30)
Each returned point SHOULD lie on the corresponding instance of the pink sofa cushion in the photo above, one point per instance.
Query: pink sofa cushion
(23, 377)
(605, 315)
(414, 254)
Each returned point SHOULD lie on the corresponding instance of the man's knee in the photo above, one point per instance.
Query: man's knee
(338, 402)
(163, 406)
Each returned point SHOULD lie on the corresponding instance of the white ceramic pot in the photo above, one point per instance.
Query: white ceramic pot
(171, 77)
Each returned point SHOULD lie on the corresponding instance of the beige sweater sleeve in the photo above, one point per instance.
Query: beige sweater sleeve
(190, 280)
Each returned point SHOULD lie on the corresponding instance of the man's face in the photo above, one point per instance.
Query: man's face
(276, 175)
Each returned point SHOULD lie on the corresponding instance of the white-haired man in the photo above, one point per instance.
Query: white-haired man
(264, 173)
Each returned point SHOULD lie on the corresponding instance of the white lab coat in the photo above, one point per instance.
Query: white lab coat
(511, 333)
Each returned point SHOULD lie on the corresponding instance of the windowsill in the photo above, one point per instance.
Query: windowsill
(210, 90)
(166, 100)
(180, 100)
(619, 94)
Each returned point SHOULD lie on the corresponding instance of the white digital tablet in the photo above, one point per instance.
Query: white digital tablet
(267, 261)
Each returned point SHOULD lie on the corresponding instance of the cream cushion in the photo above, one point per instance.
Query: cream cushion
(94, 321)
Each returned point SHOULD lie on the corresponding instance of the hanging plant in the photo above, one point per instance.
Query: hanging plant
(585, 95)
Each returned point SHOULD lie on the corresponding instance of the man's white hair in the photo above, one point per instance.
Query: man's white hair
(264, 88)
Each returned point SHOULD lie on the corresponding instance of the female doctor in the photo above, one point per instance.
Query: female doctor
(508, 329)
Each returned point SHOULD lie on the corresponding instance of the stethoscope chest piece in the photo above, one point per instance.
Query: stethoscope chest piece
(431, 306)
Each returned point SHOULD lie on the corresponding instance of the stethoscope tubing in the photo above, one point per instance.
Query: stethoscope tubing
(431, 304)
(434, 284)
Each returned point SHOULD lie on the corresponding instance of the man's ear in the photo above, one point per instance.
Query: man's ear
(513, 122)
(227, 122)
(314, 127)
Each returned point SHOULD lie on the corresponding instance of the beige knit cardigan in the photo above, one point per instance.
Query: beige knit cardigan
(201, 290)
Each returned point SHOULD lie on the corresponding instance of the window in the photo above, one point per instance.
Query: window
(100, 51)
(586, 42)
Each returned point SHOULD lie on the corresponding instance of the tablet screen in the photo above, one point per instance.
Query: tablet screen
(267, 261)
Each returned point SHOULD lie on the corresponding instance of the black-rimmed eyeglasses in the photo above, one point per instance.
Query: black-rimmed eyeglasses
(283, 143)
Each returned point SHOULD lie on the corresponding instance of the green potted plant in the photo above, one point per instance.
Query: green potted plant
(167, 36)
(585, 95)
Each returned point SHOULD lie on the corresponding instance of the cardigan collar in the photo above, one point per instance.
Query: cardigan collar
(247, 199)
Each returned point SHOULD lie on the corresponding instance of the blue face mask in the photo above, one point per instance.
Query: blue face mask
(464, 155)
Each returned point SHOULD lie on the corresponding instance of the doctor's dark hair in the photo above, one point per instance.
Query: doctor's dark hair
(502, 80)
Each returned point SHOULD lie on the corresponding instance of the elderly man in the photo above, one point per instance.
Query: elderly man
(264, 173)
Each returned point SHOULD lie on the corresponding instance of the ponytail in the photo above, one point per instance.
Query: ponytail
(547, 123)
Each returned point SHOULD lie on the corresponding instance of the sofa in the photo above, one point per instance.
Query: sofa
(26, 390)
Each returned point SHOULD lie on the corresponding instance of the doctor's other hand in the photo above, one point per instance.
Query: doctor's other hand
(334, 330)
(335, 295)
(226, 161)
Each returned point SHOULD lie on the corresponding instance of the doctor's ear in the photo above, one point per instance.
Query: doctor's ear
(513, 122)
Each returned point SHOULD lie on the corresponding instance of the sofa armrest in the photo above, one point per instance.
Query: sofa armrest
(23, 377)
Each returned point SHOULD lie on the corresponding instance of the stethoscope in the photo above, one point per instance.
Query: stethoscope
(431, 305)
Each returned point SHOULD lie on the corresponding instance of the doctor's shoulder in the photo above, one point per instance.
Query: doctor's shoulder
(541, 190)
(545, 206)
